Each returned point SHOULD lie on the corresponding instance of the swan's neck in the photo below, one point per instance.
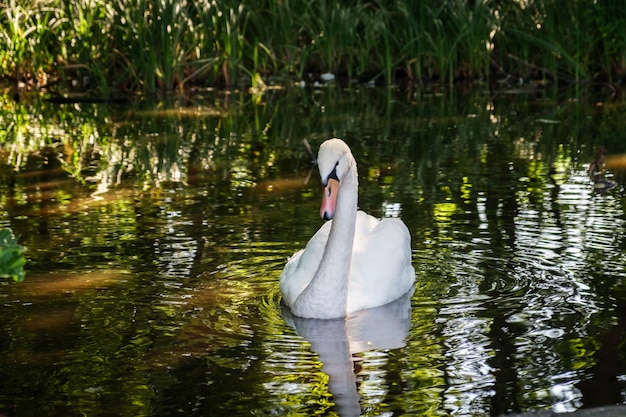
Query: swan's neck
(328, 289)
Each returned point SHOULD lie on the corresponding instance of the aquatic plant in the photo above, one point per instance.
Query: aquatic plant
(146, 47)
(26, 32)
(12, 258)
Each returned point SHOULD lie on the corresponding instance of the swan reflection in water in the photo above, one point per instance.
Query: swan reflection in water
(337, 340)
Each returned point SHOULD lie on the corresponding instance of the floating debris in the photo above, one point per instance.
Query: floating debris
(327, 77)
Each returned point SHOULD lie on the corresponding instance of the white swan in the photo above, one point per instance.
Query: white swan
(354, 261)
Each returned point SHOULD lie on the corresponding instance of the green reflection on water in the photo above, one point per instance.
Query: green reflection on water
(157, 233)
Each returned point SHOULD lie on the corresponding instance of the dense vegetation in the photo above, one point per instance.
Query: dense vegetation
(147, 46)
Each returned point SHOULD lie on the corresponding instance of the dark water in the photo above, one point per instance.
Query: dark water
(156, 235)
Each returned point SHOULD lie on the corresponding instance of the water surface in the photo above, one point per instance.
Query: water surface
(156, 235)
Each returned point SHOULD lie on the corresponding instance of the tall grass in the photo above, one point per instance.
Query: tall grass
(25, 38)
(156, 46)
(155, 41)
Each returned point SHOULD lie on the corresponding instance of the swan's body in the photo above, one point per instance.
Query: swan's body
(354, 261)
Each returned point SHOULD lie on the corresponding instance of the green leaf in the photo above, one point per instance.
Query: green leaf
(12, 258)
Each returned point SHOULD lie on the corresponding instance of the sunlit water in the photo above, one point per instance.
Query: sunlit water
(152, 284)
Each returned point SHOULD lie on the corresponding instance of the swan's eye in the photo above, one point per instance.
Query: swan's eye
(333, 173)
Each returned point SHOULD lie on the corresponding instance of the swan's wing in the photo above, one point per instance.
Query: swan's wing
(381, 268)
(302, 265)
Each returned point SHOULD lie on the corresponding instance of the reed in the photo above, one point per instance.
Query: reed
(155, 41)
(278, 27)
(155, 46)
(84, 44)
(25, 38)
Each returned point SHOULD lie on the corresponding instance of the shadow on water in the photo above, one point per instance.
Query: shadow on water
(156, 234)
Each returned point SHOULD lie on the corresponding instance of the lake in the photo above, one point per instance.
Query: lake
(156, 233)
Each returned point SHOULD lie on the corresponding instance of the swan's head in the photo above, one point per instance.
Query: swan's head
(334, 160)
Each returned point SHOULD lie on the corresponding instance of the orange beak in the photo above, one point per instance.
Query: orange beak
(329, 199)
